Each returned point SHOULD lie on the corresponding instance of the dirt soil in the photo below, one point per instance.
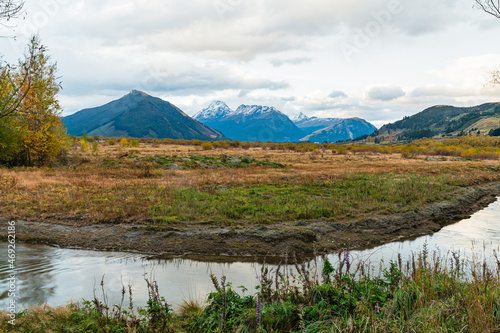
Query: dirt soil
(304, 238)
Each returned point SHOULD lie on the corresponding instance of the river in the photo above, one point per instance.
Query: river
(55, 276)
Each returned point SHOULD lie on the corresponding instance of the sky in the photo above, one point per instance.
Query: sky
(379, 60)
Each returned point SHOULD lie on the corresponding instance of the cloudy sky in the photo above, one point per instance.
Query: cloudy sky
(375, 59)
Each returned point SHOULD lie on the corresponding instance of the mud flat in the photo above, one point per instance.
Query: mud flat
(299, 237)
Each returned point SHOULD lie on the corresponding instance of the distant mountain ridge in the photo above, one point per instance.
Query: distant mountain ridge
(139, 115)
(345, 129)
(332, 129)
(443, 120)
(263, 123)
(250, 123)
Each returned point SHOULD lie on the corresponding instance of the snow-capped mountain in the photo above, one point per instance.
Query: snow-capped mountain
(298, 117)
(249, 110)
(216, 110)
(264, 123)
(250, 123)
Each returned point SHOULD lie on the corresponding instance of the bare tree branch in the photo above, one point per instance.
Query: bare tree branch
(10, 9)
(491, 7)
(20, 83)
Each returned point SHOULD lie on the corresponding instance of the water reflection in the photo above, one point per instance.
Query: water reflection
(55, 276)
(474, 239)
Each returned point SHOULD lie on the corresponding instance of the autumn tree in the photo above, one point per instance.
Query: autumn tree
(10, 88)
(31, 130)
(9, 135)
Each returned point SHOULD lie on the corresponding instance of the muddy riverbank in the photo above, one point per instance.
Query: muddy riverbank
(300, 237)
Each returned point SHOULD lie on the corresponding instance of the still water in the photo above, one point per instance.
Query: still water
(55, 276)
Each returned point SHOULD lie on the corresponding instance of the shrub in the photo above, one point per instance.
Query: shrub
(196, 142)
(207, 145)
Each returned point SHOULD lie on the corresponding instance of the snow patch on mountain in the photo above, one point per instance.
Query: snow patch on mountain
(298, 117)
(248, 110)
(216, 110)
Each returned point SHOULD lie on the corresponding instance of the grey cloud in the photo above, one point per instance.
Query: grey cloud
(178, 77)
(428, 16)
(337, 94)
(208, 81)
(326, 107)
(440, 91)
(244, 29)
(276, 62)
(385, 93)
(243, 93)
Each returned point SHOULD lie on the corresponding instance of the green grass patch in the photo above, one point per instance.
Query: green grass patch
(190, 162)
(350, 196)
(337, 199)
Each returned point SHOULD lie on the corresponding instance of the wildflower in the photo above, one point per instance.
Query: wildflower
(377, 309)
(259, 311)
(347, 261)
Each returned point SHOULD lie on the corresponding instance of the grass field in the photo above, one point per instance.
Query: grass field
(164, 184)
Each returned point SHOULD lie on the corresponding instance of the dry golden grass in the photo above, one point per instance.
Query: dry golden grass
(106, 192)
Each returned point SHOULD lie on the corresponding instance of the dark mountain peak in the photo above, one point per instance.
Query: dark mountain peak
(138, 93)
(139, 115)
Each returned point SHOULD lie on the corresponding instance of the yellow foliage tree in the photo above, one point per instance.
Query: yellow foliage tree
(36, 118)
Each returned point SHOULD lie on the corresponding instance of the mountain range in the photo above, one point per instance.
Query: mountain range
(139, 115)
(346, 129)
(262, 123)
(250, 123)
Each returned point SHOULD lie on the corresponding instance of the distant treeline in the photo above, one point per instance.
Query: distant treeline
(494, 132)
(470, 147)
